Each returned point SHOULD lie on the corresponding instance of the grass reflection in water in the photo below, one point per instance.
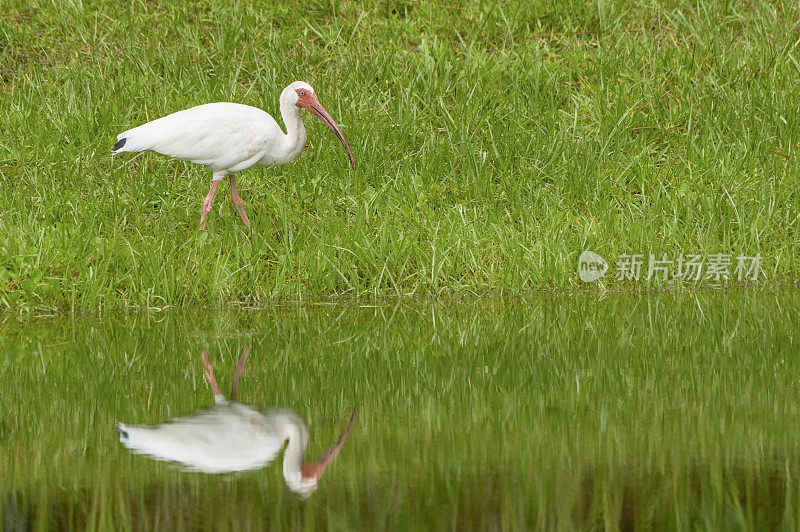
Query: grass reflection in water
(667, 410)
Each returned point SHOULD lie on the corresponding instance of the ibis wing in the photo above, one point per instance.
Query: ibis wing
(222, 136)
(225, 438)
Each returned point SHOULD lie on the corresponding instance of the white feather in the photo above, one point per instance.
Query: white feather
(228, 437)
(222, 136)
(226, 137)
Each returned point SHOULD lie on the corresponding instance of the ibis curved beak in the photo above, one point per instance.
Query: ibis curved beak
(315, 469)
(313, 105)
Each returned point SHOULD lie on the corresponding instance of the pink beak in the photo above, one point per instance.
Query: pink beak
(315, 468)
(312, 104)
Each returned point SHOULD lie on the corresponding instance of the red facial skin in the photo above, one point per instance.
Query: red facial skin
(308, 100)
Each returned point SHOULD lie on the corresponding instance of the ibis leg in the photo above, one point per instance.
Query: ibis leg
(209, 373)
(237, 372)
(207, 203)
(237, 200)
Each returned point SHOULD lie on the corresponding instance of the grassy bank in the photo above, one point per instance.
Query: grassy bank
(494, 142)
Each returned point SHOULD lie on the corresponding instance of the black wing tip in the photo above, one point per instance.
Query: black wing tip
(120, 143)
(122, 432)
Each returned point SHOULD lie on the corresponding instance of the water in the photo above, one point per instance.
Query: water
(578, 411)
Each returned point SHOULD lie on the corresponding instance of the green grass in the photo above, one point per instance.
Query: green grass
(649, 412)
(494, 140)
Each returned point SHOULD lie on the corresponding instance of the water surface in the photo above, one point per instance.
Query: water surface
(654, 410)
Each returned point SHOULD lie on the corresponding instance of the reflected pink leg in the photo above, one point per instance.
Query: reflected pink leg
(207, 203)
(237, 372)
(237, 200)
(209, 372)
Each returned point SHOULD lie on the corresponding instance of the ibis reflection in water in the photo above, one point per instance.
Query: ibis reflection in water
(232, 436)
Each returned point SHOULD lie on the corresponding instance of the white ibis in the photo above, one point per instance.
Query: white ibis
(231, 436)
(230, 137)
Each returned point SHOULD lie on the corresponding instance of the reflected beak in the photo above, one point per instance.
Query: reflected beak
(315, 469)
(313, 105)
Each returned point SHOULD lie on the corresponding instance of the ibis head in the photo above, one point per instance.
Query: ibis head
(302, 95)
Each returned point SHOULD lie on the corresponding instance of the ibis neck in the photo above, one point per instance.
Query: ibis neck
(295, 139)
(293, 455)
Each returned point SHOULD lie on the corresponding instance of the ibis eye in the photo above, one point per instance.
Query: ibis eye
(302, 93)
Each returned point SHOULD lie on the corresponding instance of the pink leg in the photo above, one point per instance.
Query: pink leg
(207, 203)
(237, 372)
(237, 200)
(209, 372)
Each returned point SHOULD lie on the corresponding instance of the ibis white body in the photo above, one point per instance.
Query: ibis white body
(224, 137)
